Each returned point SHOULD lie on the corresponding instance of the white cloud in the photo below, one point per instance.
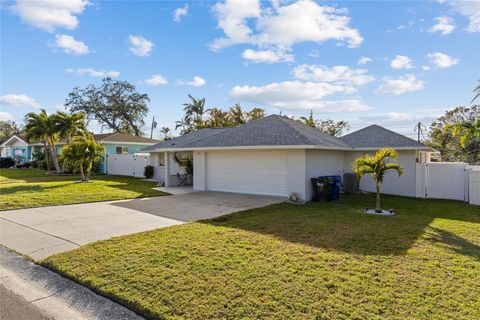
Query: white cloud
(49, 15)
(401, 62)
(402, 84)
(441, 60)
(156, 80)
(69, 45)
(337, 74)
(469, 9)
(94, 72)
(5, 116)
(445, 25)
(314, 54)
(298, 95)
(364, 60)
(19, 100)
(195, 82)
(268, 56)
(281, 26)
(180, 13)
(140, 46)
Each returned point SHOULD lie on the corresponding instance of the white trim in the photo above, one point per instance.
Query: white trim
(279, 147)
(249, 148)
(14, 136)
(396, 148)
(119, 142)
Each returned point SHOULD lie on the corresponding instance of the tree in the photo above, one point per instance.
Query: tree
(166, 133)
(83, 152)
(9, 128)
(236, 114)
(114, 103)
(255, 114)
(41, 127)
(218, 119)
(334, 128)
(70, 125)
(376, 166)
(476, 91)
(448, 134)
(195, 110)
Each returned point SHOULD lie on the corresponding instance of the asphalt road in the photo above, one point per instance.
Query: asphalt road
(13, 307)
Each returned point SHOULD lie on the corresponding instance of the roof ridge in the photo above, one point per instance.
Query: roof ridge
(290, 121)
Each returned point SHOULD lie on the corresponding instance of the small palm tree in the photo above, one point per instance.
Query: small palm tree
(41, 127)
(236, 114)
(83, 152)
(376, 166)
(310, 120)
(195, 109)
(166, 133)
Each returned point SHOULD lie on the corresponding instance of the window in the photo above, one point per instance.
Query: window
(18, 152)
(161, 159)
(122, 150)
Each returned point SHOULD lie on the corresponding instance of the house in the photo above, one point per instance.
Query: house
(114, 143)
(276, 156)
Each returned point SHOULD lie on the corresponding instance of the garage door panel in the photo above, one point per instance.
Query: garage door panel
(256, 172)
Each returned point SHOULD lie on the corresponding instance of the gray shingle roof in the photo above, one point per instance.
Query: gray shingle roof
(375, 137)
(273, 130)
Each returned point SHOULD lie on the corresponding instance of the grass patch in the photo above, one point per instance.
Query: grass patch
(30, 188)
(317, 261)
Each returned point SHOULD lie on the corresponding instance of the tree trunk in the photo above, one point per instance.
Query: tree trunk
(54, 157)
(47, 155)
(377, 205)
(82, 173)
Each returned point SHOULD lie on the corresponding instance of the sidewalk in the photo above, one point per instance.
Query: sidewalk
(52, 295)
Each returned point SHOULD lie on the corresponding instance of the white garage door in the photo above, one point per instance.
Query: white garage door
(255, 172)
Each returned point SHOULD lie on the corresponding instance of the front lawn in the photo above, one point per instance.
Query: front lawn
(29, 188)
(285, 261)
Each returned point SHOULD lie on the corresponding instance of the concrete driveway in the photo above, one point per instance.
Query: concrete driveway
(41, 232)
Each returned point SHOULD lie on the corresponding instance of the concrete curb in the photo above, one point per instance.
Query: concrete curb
(56, 296)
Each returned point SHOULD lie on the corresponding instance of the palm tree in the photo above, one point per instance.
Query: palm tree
(310, 120)
(195, 109)
(376, 166)
(166, 133)
(41, 127)
(476, 92)
(70, 125)
(255, 114)
(218, 118)
(83, 152)
(237, 115)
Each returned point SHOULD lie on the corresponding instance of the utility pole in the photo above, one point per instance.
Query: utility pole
(418, 128)
(154, 125)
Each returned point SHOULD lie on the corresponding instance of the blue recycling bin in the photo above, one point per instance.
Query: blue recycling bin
(326, 188)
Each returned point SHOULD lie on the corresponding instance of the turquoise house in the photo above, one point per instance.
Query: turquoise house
(114, 143)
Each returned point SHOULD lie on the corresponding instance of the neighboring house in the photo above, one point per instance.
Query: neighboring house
(277, 156)
(114, 143)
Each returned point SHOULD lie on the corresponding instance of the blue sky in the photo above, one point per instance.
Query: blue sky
(390, 63)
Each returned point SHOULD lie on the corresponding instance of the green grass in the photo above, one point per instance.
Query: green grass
(31, 188)
(285, 261)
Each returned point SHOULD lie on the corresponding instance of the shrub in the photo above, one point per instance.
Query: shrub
(148, 172)
(6, 162)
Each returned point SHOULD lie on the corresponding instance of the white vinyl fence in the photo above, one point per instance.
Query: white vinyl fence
(448, 180)
(127, 164)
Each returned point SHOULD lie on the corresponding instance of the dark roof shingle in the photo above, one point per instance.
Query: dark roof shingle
(376, 137)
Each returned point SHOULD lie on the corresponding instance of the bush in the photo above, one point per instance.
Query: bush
(148, 172)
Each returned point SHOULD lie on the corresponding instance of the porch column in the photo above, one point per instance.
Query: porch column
(167, 169)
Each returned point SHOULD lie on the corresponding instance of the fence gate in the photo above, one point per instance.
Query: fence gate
(442, 180)
(127, 164)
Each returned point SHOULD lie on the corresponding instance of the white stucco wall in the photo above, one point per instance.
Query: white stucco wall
(200, 170)
(405, 185)
(322, 163)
